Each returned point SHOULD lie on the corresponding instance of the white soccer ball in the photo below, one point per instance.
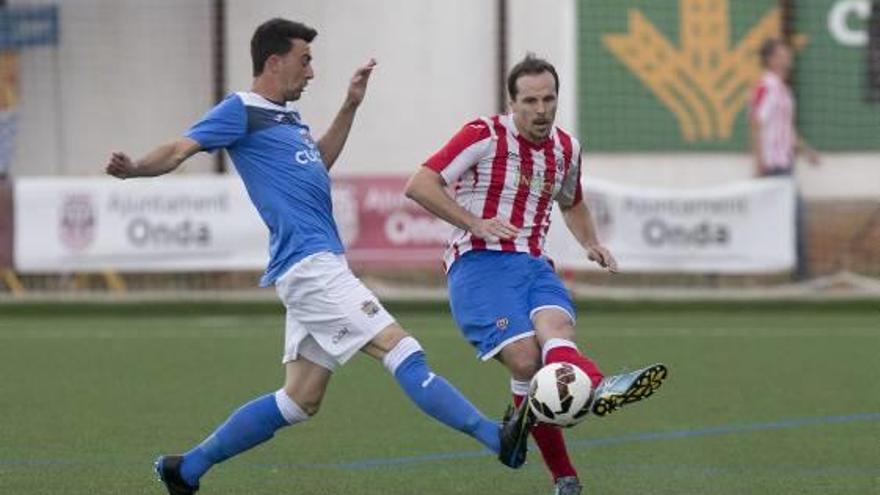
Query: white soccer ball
(560, 394)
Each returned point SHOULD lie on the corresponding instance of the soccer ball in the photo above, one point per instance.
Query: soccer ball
(560, 394)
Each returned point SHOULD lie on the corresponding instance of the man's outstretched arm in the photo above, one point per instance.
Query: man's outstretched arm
(160, 161)
(580, 223)
(330, 145)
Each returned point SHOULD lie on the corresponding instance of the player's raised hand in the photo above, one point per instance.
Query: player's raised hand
(601, 255)
(120, 166)
(492, 229)
(357, 89)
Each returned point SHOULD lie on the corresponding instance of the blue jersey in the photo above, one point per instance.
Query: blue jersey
(283, 172)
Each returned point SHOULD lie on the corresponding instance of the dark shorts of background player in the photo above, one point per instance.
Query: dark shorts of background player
(802, 269)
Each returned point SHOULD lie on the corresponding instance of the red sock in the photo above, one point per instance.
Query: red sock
(566, 354)
(552, 445)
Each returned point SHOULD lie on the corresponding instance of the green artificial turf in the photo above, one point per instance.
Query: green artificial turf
(760, 400)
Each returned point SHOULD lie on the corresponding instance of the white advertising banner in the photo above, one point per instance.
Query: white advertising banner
(208, 223)
(746, 227)
(164, 224)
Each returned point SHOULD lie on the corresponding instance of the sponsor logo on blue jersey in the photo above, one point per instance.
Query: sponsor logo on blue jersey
(304, 157)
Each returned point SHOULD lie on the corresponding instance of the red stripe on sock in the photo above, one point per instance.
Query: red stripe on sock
(572, 356)
(551, 442)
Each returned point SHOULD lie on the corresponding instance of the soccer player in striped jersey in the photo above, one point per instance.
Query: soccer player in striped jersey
(775, 140)
(331, 315)
(506, 172)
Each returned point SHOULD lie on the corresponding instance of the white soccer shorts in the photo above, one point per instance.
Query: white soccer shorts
(331, 314)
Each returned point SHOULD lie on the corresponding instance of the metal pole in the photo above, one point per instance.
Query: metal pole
(787, 28)
(501, 47)
(872, 69)
(219, 67)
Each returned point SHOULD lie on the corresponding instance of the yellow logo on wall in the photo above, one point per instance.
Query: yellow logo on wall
(9, 73)
(705, 82)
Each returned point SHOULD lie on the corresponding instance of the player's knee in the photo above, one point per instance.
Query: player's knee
(554, 323)
(524, 365)
(522, 358)
(311, 407)
(308, 401)
(292, 411)
(525, 370)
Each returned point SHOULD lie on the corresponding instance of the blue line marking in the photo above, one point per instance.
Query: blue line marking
(727, 429)
(634, 438)
(460, 455)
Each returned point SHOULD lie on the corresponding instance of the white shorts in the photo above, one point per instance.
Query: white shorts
(331, 314)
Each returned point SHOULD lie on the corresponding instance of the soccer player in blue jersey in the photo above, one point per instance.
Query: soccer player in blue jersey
(331, 315)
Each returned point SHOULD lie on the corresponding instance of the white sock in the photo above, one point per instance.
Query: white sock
(290, 410)
(404, 349)
(519, 387)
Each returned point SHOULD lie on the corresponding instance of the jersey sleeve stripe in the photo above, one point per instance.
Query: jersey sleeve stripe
(466, 159)
(465, 140)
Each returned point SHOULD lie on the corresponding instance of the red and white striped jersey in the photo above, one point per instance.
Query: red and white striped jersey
(496, 172)
(773, 106)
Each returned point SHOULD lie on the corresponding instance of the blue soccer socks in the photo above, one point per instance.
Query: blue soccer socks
(437, 397)
(252, 424)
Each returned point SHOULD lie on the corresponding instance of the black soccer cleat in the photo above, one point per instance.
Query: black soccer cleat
(616, 391)
(515, 430)
(168, 469)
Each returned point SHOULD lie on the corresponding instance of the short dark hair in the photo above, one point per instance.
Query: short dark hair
(768, 48)
(273, 38)
(531, 65)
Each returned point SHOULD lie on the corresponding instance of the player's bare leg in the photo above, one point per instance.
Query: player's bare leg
(523, 359)
(555, 331)
(306, 383)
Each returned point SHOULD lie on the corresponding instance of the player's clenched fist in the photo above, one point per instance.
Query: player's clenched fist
(120, 166)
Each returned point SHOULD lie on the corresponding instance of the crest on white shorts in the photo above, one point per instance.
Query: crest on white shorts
(370, 308)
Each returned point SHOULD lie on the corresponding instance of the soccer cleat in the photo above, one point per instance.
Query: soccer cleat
(616, 391)
(168, 469)
(515, 430)
(568, 485)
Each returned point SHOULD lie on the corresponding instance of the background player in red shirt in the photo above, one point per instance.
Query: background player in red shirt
(775, 140)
